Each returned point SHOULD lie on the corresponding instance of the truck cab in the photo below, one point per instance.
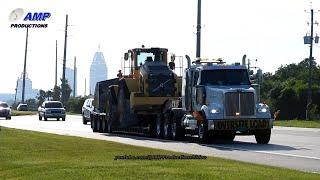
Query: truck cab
(219, 102)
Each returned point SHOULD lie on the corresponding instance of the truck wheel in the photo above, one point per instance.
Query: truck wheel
(159, 127)
(263, 136)
(40, 117)
(45, 118)
(64, 119)
(177, 132)
(203, 132)
(8, 118)
(58, 119)
(84, 121)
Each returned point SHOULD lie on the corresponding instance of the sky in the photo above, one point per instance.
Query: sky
(270, 31)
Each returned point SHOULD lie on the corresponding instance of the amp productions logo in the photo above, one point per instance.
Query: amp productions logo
(22, 19)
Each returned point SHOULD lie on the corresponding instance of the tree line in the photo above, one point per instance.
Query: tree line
(287, 90)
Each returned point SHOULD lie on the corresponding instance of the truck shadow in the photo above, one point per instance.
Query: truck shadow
(220, 145)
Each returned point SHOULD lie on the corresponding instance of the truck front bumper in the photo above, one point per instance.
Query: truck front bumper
(240, 124)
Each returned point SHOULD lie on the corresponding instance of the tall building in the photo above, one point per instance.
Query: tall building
(29, 92)
(70, 78)
(98, 70)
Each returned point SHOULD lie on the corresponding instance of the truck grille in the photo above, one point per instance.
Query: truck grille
(239, 104)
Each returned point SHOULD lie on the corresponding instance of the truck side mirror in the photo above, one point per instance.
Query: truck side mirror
(251, 72)
(200, 94)
(172, 65)
(126, 56)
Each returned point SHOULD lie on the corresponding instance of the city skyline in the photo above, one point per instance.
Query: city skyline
(270, 31)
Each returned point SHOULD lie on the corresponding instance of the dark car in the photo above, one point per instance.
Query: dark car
(22, 107)
(87, 109)
(5, 110)
(52, 109)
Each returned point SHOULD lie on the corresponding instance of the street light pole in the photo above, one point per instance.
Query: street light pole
(24, 67)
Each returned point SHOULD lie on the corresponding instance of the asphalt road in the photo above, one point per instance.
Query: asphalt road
(295, 148)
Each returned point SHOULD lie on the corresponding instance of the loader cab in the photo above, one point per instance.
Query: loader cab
(135, 58)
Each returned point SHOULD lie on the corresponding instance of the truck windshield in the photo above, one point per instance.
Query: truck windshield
(225, 77)
(53, 105)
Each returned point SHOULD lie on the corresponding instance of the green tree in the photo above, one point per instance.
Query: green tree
(56, 93)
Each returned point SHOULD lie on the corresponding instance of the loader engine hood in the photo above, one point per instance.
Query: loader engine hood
(158, 79)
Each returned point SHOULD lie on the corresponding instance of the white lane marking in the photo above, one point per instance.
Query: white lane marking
(267, 152)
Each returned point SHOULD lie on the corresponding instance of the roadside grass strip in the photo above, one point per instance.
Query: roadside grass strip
(34, 155)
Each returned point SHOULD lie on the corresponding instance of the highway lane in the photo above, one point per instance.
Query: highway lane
(296, 148)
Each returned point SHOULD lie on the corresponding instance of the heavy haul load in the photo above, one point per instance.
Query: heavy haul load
(218, 102)
(133, 102)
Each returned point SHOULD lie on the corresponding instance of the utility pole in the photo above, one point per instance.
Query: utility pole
(15, 96)
(63, 95)
(309, 40)
(56, 77)
(310, 68)
(24, 67)
(74, 76)
(198, 30)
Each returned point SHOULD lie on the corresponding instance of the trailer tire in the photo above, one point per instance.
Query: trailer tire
(94, 124)
(263, 136)
(166, 129)
(159, 127)
(99, 124)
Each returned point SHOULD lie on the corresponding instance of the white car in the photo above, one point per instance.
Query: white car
(87, 109)
(5, 110)
(52, 109)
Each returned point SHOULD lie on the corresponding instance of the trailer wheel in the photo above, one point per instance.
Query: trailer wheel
(166, 129)
(152, 128)
(159, 127)
(99, 124)
(94, 124)
(263, 136)
(104, 126)
(109, 126)
(203, 132)
(84, 121)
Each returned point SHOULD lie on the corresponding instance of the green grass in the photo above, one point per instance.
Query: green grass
(22, 113)
(298, 123)
(34, 155)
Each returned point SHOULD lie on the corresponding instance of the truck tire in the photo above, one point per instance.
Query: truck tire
(159, 127)
(45, 118)
(40, 117)
(64, 119)
(263, 136)
(203, 132)
(176, 130)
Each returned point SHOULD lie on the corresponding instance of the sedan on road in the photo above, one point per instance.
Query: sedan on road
(52, 109)
(5, 110)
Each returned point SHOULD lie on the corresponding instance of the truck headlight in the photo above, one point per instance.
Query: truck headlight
(262, 108)
(215, 111)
